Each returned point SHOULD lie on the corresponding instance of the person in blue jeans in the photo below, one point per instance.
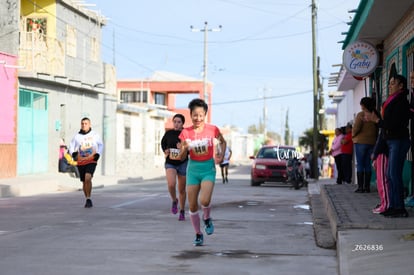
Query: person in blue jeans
(364, 136)
(394, 122)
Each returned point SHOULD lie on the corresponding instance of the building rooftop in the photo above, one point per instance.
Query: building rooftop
(169, 76)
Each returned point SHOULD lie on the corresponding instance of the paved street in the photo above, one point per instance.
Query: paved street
(130, 230)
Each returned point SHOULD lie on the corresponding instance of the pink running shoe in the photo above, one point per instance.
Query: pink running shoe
(174, 208)
(182, 216)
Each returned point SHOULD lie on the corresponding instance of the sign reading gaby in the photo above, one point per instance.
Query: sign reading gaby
(360, 58)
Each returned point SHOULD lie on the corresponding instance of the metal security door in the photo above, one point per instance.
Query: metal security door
(32, 141)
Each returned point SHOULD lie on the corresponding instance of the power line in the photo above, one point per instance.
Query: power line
(251, 7)
(243, 39)
(257, 99)
(123, 27)
(147, 68)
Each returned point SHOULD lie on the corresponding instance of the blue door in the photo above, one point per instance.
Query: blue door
(32, 138)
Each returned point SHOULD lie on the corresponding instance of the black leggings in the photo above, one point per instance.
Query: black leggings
(347, 167)
(338, 164)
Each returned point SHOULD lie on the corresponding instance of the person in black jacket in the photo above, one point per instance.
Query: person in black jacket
(175, 168)
(394, 123)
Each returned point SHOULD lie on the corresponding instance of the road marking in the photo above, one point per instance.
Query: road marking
(302, 206)
(147, 197)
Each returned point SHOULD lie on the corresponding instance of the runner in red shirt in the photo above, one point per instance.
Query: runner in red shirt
(198, 139)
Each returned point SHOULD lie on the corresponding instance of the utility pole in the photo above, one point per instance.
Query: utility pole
(205, 60)
(315, 95)
(264, 120)
(113, 47)
(264, 116)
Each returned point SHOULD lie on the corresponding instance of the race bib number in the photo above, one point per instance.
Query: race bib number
(174, 153)
(200, 147)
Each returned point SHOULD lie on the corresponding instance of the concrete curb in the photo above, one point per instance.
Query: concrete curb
(330, 212)
(324, 236)
(322, 228)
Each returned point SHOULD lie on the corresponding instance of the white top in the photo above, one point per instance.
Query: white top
(83, 141)
(227, 155)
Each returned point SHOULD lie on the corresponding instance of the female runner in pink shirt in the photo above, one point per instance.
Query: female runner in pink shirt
(198, 139)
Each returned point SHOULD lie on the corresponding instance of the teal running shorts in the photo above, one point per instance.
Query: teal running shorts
(199, 171)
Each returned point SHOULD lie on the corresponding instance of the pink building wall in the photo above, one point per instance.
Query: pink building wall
(8, 115)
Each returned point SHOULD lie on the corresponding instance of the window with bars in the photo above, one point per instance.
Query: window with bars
(127, 138)
(134, 96)
(160, 99)
(25, 99)
(33, 100)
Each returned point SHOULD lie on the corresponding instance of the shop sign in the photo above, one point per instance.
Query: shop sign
(360, 58)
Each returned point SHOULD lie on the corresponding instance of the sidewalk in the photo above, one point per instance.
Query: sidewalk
(57, 182)
(366, 243)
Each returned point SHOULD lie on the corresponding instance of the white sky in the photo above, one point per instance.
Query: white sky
(264, 47)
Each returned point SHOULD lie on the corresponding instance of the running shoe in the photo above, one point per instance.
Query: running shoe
(174, 208)
(208, 226)
(182, 216)
(88, 203)
(199, 239)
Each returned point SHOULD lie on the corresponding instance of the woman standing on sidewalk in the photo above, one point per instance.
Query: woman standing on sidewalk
(394, 123)
(347, 151)
(198, 139)
(175, 168)
(364, 134)
(336, 153)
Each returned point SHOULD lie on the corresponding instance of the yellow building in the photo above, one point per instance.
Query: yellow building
(330, 134)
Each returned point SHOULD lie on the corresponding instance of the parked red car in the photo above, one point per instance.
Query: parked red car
(269, 164)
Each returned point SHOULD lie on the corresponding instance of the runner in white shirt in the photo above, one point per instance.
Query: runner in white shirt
(86, 148)
(224, 165)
